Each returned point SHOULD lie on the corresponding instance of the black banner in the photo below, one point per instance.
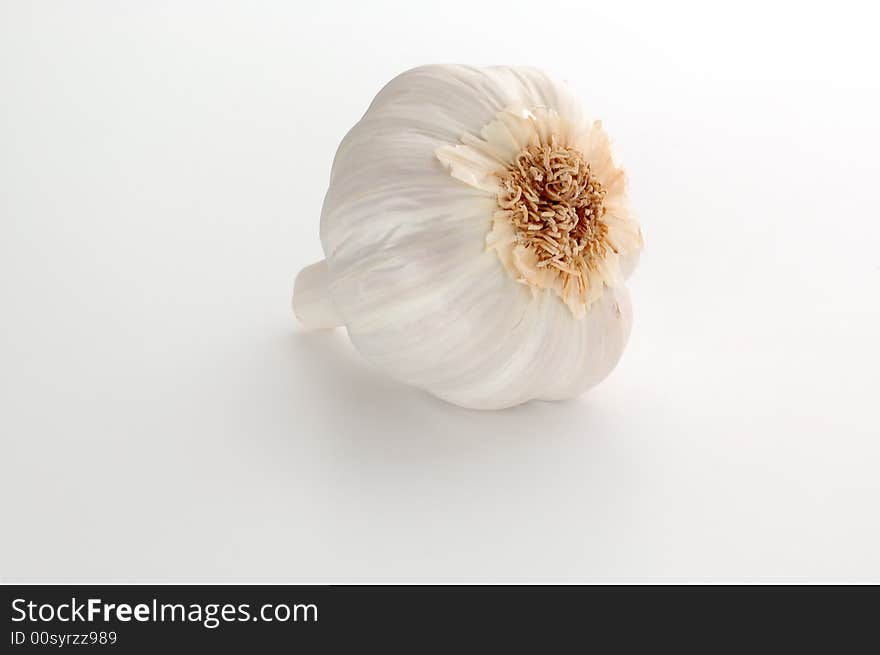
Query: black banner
(135, 619)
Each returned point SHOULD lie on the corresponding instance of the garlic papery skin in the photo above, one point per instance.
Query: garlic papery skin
(477, 238)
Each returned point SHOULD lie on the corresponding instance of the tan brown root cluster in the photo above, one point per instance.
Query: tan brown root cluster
(557, 207)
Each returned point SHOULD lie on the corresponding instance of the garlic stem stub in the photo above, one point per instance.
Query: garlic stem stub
(478, 239)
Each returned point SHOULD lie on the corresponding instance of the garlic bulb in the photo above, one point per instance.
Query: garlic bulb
(477, 238)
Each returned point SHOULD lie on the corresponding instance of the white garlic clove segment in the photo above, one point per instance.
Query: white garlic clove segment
(312, 303)
(477, 238)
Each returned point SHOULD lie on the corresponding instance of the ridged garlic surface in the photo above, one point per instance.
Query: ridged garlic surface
(477, 238)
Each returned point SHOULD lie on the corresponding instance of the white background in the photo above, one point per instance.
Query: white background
(162, 168)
